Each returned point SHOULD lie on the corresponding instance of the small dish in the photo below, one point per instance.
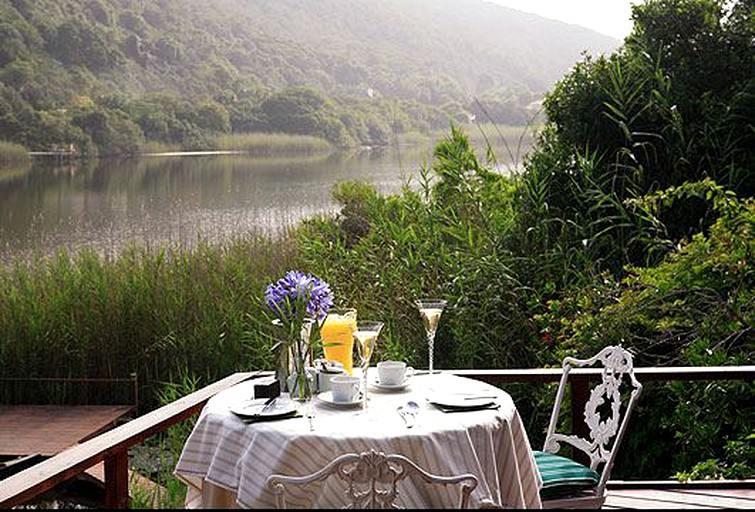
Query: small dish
(254, 408)
(327, 398)
(390, 387)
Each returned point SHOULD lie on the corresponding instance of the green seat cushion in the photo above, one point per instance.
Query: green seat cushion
(562, 476)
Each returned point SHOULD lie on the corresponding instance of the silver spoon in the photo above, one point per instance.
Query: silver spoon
(408, 412)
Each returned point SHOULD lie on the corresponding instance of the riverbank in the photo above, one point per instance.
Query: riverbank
(511, 138)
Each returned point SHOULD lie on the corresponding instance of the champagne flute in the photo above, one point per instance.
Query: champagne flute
(430, 310)
(366, 335)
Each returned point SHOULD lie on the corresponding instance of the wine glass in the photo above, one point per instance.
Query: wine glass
(430, 310)
(366, 335)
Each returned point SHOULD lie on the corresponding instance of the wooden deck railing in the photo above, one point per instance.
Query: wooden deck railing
(579, 379)
(112, 447)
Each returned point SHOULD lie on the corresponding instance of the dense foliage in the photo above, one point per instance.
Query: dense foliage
(108, 75)
(624, 228)
(632, 222)
(630, 201)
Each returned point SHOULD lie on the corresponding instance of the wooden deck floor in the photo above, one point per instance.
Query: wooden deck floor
(50, 429)
(680, 498)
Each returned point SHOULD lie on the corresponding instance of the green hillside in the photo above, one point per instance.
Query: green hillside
(108, 75)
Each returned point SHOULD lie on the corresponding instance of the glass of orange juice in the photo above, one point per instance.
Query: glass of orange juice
(337, 332)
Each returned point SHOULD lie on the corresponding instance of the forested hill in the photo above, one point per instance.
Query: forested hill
(440, 54)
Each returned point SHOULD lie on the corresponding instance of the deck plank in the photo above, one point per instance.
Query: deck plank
(741, 495)
(645, 500)
(711, 499)
(50, 429)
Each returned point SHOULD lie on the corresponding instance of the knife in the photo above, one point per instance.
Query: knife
(470, 409)
(267, 405)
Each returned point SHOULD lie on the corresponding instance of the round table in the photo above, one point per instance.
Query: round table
(225, 461)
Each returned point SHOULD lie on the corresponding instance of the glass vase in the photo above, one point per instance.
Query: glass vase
(294, 361)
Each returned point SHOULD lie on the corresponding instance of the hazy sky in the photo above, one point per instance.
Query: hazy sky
(609, 17)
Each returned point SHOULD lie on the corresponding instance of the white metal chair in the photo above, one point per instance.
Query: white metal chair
(566, 483)
(371, 480)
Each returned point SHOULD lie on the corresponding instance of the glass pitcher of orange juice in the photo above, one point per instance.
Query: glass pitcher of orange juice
(337, 332)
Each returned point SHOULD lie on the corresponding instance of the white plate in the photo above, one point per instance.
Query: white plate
(462, 400)
(390, 387)
(282, 406)
(327, 398)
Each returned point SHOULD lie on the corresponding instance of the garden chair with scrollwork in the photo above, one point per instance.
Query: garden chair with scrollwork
(371, 480)
(567, 483)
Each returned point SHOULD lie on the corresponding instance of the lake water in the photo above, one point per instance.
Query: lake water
(179, 200)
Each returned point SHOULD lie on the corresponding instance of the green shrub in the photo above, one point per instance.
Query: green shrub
(695, 308)
(444, 239)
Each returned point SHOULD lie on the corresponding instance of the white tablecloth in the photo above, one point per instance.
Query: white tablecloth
(225, 462)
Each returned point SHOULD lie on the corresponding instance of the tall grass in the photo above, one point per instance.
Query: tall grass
(271, 143)
(153, 146)
(508, 143)
(150, 312)
(12, 153)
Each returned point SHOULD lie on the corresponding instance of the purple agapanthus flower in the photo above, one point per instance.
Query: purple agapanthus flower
(297, 291)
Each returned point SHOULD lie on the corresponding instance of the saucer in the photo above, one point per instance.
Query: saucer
(327, 398)
(390, 387)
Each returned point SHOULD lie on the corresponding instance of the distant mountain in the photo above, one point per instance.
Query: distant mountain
(421, 49)
(61, 53)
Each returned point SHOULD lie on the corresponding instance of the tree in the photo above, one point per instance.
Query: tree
(78, 43)
(213, 117)
(303, 111)
(643, 119)
(17, 119)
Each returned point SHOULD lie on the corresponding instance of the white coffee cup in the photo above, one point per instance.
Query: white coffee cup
(345, 388)
(326, 370)
(393, 373)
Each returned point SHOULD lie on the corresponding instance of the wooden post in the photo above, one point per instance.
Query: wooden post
(580, 392)
(116, 480)
(134, 392)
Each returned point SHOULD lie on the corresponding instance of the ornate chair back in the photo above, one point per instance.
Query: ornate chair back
(605, 414)
(371, 480)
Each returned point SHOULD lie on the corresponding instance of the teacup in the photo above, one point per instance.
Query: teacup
(327, 370)
(345, 388)
(393, 373)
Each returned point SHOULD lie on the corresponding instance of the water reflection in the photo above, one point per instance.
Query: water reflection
(153, 201)
(175, 200)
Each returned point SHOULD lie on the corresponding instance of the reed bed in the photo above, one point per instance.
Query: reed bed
(156, 313)
(153, 146)
(271, 143)
(12, 153)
